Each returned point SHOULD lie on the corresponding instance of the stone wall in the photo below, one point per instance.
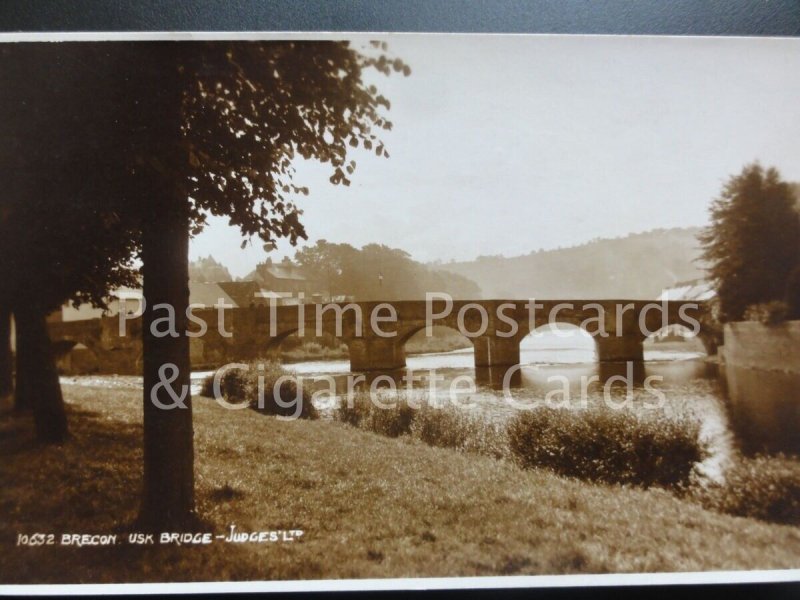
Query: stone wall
(751, 345)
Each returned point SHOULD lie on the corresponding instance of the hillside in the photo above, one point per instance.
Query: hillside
(637, 266)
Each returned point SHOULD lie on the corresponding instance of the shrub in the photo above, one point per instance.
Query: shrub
(762, 487)
(792, 294)
(609, 446)
(361, 410)
(244, 385)
(454, 428)
(768, 313)
(312, 348)
(446, 427)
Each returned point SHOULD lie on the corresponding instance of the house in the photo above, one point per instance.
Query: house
(209, 295)
(286, 279)
(694, 289)
(281, 283)
(130, 299)
(250, 294)
(124, 298)
(698, 290)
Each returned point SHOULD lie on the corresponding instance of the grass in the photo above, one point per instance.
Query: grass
(370, 506)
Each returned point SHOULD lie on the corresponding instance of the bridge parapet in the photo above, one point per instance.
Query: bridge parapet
(376, 332)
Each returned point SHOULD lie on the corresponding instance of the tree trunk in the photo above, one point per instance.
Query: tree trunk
(37, 377)
(168, 494)
(23, 369)
(6, 378)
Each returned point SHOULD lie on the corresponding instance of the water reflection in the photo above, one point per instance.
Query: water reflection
(764, 408)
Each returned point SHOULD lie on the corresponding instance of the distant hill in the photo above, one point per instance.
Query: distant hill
(637, 266)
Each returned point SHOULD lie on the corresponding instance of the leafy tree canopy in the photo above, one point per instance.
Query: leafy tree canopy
(377, 272)
(753, 242)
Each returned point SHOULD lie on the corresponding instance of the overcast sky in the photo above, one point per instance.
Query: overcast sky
(507, 144)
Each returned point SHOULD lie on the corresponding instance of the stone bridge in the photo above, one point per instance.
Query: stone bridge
(376, 332)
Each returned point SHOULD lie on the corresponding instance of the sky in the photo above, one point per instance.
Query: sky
(508, 144)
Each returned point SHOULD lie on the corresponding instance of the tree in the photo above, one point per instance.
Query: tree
(332, 265)
(753, 242)
(6, 357)
(222, 124)
(192, 128)
(56, 242)
(377, 272)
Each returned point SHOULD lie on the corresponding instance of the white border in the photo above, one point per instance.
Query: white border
(412, 583)
(422, 583)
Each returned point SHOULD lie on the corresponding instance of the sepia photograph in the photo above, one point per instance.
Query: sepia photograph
(379, 311)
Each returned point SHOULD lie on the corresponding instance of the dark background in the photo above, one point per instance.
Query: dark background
(658, 17)
(666, 17)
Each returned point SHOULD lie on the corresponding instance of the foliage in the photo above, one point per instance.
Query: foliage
(450, 427)
(91, 115)
(386, 414)
(793, 293)
(257, 385)
(753, 242)
(768, 313)
(377, 272)
(762, 487)
(609, 446)
(166, 133)
(394, 415)
(252, 108)
(61, 232)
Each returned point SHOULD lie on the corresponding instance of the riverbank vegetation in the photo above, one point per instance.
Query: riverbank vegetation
(264, 386)
(609, 446)
(412, 416)
(383, 507)
(597, 445)
(759, 487)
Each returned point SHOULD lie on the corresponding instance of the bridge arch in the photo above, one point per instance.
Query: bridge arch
(441, 339)
(676, 338)
(562, 341)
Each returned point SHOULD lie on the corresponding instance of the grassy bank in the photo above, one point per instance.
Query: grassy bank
(370, 506)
